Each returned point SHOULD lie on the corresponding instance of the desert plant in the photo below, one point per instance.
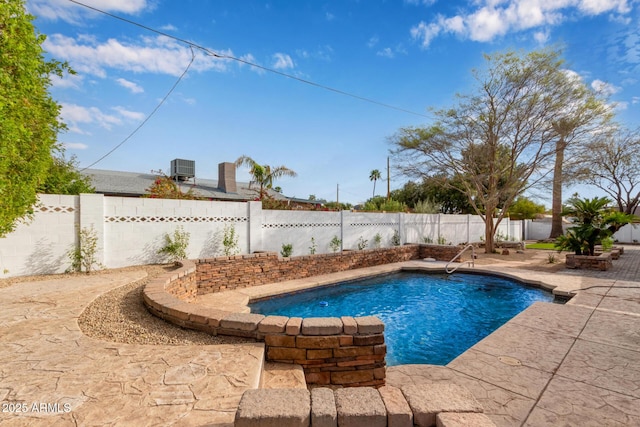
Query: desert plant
(83, 256)
(442, 240)
(175, 248)
(377, 240)
(362, 243)
(427, 240)
(230, 241)
(287, 250)
(551, 258)
(335, 244)
(607, 244)
(395, 239)
(313, 247)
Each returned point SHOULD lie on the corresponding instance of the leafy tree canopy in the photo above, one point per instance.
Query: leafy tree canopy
(498, 140)
(29, 117)
(525, 208)
(63, 177)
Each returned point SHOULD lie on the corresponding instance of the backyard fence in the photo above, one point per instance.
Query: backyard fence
(130, 231)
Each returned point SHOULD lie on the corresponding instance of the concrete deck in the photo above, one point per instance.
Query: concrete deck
(573, 364)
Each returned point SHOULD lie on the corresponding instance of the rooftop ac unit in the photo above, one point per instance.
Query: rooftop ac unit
(182, 170)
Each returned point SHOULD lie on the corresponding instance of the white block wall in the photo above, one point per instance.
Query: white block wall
(130, 231)
(40, 246)
(135, 228)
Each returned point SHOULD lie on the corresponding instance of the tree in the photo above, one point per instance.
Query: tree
(610, 163)
(263, 175)
(29, 117)
(525, 208)
(439, 190)
(63, 177)
(580, 119)
(594, 222)
(497, 140)
(374, 176)
(166, 188)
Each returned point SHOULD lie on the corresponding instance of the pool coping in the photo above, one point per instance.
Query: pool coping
(238, 300)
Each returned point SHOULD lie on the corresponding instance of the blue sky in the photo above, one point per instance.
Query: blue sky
(410, 54)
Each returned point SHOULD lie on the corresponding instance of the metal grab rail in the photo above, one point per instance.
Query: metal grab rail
(472, 263)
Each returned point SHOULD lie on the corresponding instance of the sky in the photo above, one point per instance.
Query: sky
(358, 70)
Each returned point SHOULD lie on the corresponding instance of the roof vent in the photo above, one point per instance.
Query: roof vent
(182, 170)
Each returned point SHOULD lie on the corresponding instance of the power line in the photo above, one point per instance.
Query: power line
(149, 116)
(243, 61)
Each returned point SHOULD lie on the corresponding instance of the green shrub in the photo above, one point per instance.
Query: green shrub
(287, 250)
(362, 243)
(84, 256)
(335, 244)
(175, 247)
(230, 241)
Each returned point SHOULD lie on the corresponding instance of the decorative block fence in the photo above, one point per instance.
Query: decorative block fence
(340, 351)
(130, 231)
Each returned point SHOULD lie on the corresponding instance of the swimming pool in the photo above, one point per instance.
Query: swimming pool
(429, 318)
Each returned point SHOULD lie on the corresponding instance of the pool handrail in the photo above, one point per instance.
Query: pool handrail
(471, 263)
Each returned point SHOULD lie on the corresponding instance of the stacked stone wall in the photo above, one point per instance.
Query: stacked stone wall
(599, 262)
(241, 271)
(347, 351)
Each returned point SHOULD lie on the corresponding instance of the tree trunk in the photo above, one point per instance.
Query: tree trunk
(556, 204)
(489, 232)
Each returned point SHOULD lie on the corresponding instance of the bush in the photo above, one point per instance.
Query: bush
(84, 256)
(287, 250)
(175, 247)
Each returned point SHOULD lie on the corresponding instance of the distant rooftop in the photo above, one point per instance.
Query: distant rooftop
(133, 184)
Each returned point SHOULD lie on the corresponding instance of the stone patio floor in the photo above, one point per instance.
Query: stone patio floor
(573, 364)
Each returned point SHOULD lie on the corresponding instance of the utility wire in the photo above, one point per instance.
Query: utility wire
(243, 61)
(193, 55)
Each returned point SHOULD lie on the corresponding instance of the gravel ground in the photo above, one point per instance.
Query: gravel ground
(120, 315)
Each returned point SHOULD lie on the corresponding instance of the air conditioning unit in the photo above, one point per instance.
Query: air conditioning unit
(182, 170)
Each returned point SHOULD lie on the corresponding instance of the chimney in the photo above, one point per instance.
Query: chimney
(227, 177)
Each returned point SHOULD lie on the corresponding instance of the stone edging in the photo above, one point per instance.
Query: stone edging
(343, 351)
(439, 404)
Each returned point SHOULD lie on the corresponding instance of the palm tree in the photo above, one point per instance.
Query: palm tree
(374, 176)
(263, 175)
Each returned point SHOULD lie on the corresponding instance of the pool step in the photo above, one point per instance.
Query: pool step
(282, 375)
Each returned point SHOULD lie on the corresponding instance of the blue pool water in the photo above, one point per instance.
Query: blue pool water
(429, 318)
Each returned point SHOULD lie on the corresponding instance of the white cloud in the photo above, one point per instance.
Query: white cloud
(419, 2)
(387, 52)
(282, 61)
(67, 81)
(168, 27)
(133, 87)
(159, 55)
(486, 20)
(73, 13)
(621, 105)
(329, 16)
(596, 7)
(426, 32)
(542, 37)
(128, 114)
(635, 100)
(74, 115)
(604, 88)
(373, 41)
(75, 145)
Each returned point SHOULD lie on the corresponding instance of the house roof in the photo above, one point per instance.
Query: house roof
(133, 184)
